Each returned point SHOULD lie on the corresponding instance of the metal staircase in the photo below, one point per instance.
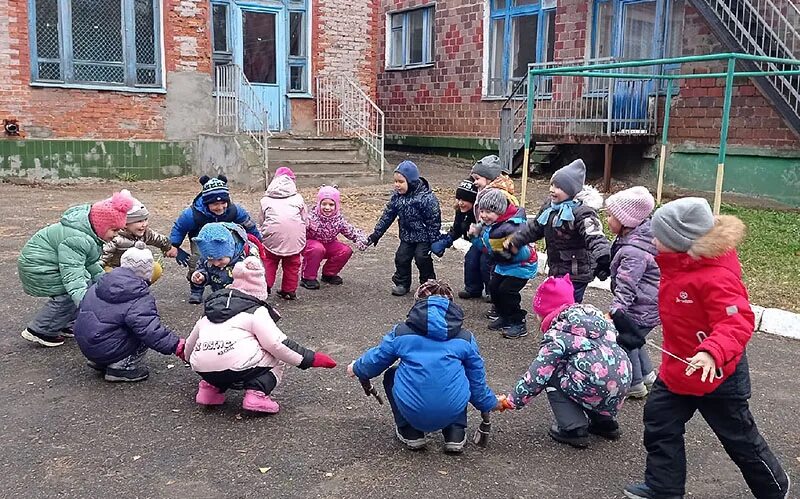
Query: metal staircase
(766, 28)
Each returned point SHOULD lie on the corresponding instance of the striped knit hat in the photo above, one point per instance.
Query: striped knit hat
(434, 287)
(139, 259)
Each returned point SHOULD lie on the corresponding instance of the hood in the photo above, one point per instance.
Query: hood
(677, 262)
(328, 192)
(420, 186)
(582, 320)
(591, 197)
(227, 303)
(281, 187)
(505, 184)
(436, 317)
(640, 237)
(121, 285)
(77, 218)
(727, 233)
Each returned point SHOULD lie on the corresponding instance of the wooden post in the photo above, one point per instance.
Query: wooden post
(609, 150)
(723, 136)
(524, 191)
(662, 158)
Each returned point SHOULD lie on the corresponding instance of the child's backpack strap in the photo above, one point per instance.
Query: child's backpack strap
(262, 252)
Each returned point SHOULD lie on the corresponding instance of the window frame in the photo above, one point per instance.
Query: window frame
(66, 58)
(222, 56)
(428, 36)
(298, 61)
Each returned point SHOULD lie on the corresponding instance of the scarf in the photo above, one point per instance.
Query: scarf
(564, 213)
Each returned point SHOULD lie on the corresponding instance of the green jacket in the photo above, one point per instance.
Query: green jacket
(62, 258)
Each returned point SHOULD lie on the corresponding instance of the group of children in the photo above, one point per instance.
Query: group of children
(678, 268)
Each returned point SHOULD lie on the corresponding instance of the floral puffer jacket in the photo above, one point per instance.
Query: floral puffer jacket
(578, 355)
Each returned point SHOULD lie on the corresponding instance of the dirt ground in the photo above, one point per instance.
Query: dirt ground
(67, 433)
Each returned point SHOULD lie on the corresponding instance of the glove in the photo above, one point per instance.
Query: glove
(180, 348)
(628, 335)
(322, 360)
(438, 247)
(372, 239)
(602, 268)
(182, 258)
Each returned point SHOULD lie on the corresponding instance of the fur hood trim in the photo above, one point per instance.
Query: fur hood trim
(727, 233)
(591, 197)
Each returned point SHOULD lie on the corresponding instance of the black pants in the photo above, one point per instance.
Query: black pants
(506, 298)
(257, 378)
(665, 417)
(421, 254)
(570, 415)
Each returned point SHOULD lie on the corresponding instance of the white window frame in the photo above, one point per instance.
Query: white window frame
(428, 36)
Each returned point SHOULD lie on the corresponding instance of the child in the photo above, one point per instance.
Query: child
(463, 220)
(136, 229)
(416, 206)
(579, 365)
(325, 223)
(221, 245)
(283, 221)
(61, 260)
(511, 272)
(706, 318)
(572, 231)
(118, 320)
(213, 204)
(634, 278)
(237, 345)
(440, 370)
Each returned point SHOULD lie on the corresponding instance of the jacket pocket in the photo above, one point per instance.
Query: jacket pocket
(576, 262)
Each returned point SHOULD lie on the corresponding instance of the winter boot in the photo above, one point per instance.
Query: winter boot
(208, 394)
(287, 295)
(466, 295)
(498, 324)
(45, 341)
(517, 330)
(140, 373)
(637, 391)
(642, 491)
(333, 279)
(412, 438)
(259, 402)
(577, 438)
(608, 429)
(454, 439)
(492, 314)
(650, 379)
(309, 283)
(399, 290)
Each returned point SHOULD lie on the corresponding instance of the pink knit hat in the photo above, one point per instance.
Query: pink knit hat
(248, 277)
(553, 293)
(111, 213)
(329, 192)
(284, 170)
(631, 206)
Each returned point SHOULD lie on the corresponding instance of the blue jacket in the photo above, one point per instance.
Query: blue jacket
(193, 218)
(522, 265)
(116, 316)
(419, 214)
(440, 371)
(219, 278)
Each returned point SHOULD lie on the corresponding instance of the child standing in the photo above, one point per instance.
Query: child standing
(221, 246)
(579, 365)
(118, 320)
(283, 221)
(325, 223)
(572, 231)
(463, 220)
(61, 260)
(510, 272)
(706, 318)
(416, 206)
(237, 344)
(634, 278)
(213, 204)
(440, 370)
(136, 229)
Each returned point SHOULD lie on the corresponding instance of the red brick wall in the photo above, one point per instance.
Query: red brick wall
(72, 113)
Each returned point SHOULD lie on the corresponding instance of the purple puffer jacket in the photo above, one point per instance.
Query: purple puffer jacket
(635, 276)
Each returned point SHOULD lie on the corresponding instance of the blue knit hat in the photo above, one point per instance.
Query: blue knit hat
(409, 170)
(215, 189)
(215, 241)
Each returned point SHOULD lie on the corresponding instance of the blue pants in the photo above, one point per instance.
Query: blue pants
(476, 271)
(579, 288)
(640, 361)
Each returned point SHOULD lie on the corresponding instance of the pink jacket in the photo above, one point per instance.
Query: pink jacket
(283, 218)
(327, 228)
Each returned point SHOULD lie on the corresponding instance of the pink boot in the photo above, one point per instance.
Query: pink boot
(208, 394)
(258, 402)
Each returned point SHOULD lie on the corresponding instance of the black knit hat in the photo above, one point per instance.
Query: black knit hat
(466, 191)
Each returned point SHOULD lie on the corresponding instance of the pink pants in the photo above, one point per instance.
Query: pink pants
(337, 254)
(291, 271)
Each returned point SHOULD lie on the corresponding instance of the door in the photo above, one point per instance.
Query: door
(261, 53)
(638, 29)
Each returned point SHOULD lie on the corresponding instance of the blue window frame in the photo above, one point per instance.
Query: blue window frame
(297, 39)
(410, 38)
(521, 32)
(97, 44)
(222, 46)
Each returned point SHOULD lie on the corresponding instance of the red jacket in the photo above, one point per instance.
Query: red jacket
(703, 291)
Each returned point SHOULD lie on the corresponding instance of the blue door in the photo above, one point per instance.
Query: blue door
(260, 50)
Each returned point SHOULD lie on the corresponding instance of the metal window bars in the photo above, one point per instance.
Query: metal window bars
(343, 108)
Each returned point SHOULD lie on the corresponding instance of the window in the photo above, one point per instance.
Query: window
(108, 43)
(258, 38)
(220, 35)
(521, 32)
(298, 47)
(410, 38)
(637, 29)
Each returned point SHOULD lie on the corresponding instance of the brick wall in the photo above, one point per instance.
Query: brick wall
(73, 113)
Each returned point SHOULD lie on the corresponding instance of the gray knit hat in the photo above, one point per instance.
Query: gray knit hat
(678, 224)
(139, 259)
(570, 178)
(137, 213)
(493, 200)
(488, 167)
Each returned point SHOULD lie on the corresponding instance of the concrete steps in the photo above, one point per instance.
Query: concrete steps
(322, 160)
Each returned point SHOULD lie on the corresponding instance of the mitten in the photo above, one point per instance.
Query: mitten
(322, 360)
(182, 257)
(628, 335)
(438, 247)
(373, 239)
(602, 267)
(180, 348)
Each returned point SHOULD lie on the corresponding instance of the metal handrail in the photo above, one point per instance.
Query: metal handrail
(344, 108)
